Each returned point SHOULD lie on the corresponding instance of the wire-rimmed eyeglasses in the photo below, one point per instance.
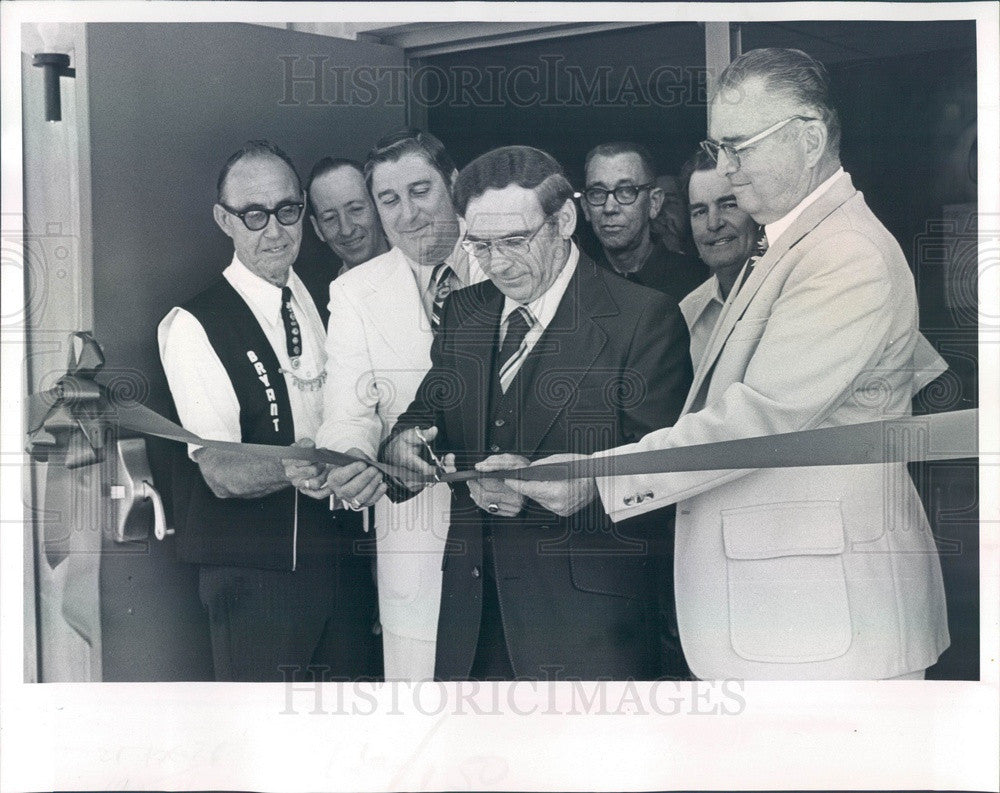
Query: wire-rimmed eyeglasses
(514, 245)
(732, 150)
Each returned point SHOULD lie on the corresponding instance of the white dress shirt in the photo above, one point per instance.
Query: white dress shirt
(776, 229)
(202, 391)
(542, 308)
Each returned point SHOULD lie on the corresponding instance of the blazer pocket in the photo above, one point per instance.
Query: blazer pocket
(748, 329)
(786, 582)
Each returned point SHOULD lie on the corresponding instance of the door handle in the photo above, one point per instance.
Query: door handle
(136, 501)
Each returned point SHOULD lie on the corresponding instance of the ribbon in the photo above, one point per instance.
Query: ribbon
(79, 406)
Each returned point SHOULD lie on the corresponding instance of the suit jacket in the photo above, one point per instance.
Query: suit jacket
(378, 350)
(821, 572)
(577, 594)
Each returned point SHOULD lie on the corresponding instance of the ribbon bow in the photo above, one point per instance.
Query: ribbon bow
(66, 423)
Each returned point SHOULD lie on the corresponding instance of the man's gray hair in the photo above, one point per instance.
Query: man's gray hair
(624, 147)
(794, 74)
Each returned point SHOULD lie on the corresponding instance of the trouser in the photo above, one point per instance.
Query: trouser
(272, 625)
(407, 658)
(492, 661)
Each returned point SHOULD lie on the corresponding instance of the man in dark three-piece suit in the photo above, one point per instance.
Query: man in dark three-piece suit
(552, 355)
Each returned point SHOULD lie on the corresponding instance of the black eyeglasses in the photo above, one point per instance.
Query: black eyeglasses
(256, 218)
(624, 194)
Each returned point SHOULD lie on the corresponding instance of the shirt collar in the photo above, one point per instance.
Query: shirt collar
(703, 297)
(543, 308)
(260, 294)
(458, 260)
(779, 227)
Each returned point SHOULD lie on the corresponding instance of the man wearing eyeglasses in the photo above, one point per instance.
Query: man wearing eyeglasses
(794, 573)
(384, 315)
(620, 201)
(244, 359)
(551, 354)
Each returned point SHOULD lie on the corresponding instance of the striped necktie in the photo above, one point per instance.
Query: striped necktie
(514, 348)
(440, 289)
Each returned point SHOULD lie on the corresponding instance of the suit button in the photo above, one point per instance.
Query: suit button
(639, 498)
(499, 423)
(475, 572)
(649, 494)
(629, 500)
(494, 448)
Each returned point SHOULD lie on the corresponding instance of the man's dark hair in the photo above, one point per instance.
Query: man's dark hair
(524, 166)
(624, 147)
(699, 161)
(253, 148)
(329, 165)
(793, 74)
(410, 141)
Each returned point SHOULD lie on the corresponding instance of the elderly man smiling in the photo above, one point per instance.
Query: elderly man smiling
(342, 212)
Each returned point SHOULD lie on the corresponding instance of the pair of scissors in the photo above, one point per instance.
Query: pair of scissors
(437, 461)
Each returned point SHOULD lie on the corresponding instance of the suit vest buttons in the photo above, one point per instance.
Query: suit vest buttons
(494, 448)
(499, 423)
(476, 572)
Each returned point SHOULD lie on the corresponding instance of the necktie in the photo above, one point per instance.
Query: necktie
(760, 248)
(441, 288)
(513, 349)
(293, 338)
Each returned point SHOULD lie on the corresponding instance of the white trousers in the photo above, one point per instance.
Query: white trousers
(406, 658)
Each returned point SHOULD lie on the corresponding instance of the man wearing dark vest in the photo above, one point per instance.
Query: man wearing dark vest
(244, 359)
(552, 354)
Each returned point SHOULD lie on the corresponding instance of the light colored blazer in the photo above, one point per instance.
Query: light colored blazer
(378, 351)
(797, 573)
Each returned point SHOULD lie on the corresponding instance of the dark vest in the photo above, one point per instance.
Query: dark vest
(252, 532)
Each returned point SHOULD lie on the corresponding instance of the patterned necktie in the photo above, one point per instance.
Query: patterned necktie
(513, 349)
(759, 249)
(293, 338)
(441, 288)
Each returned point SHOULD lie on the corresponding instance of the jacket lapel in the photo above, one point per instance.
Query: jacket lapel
(564, 354)
(394, 303)
(839, 192)
(472, 352)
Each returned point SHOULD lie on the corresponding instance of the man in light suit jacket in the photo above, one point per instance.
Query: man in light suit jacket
(552, 354)
(383, 316)
(794, 573)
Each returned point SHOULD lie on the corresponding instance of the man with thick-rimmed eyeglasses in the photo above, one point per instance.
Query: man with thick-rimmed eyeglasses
(620, 200)
(552, 354)
(810, 572)
(279, 576)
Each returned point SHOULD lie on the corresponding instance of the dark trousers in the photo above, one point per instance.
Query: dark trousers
(492, 660)
(268, 625)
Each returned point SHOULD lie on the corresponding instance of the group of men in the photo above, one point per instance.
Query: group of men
(468, 330)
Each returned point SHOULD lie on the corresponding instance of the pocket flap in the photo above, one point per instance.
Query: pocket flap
(767, 531)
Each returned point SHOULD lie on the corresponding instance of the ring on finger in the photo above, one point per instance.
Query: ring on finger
(493, 509)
